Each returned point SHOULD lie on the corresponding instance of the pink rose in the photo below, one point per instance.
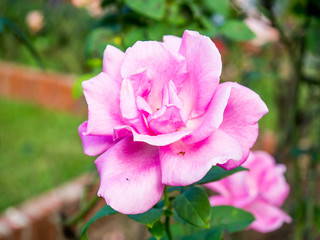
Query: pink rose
(158, 115)
(261, 191)
(263, 31)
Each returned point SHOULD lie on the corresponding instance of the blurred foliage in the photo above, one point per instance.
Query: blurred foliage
(39, 150)
(61, 40)
(128, 21)
(6, 23)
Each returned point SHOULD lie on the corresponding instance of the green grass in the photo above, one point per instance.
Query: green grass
(39, 150)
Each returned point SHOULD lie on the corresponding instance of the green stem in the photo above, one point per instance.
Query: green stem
(166, 198)
(167, 219)
(167, 228)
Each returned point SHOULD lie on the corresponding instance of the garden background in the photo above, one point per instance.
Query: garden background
(47, 48)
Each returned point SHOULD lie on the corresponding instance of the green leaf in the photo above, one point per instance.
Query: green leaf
(103, 212)
(95, 63)
(195, 9)
(157, 31)
(230, 218)
(214, 234)
(175, 15)
(218, 6)
(148, 218)
(154, 9)
(236, 30)
(157, 231)
(177, 229)
(193, 206)
(109, 21)
(134, 35)
(217, 173)
(175, 188)
(208, 28)
(77, 86)
(97, 41)
(163, 238)
(211, 234)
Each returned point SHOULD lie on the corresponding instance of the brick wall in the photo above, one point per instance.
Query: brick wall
(51, 90)
(40, 218)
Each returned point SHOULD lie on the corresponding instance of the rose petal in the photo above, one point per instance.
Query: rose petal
(112, 60)
(157, 140)
(130, 106)
(130, 177)
(211, 120)
(140, 82)
(269, 176)
(128, 100)
(94, 145)
(184, 164)
(236, 189)
(166, 120)
(172, 42)
(219, 200)
(161, 64)
(102, 95)
(267, 217)
(243, 111)
(170, 97)
(176, 100)
(143, 105)
(220, 187)
(204, 68)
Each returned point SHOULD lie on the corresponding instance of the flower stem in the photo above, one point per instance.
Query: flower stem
(166, 198)
(167, 218)
(167, 228)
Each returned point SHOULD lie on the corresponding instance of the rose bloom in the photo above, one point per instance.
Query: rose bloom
(159, 116)
(261, 191)
(34, 20)
(264, 33)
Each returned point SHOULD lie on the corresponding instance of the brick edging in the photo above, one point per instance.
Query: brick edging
(47, 89)
(40, 218)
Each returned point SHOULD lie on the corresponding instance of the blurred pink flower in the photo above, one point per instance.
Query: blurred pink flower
(263, 31)
(34, 20)
(80, 3)
(262, 190)
(158, 115)
(258, 23)
(93, 6)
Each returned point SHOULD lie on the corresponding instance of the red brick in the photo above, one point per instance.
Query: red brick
(47, 89)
